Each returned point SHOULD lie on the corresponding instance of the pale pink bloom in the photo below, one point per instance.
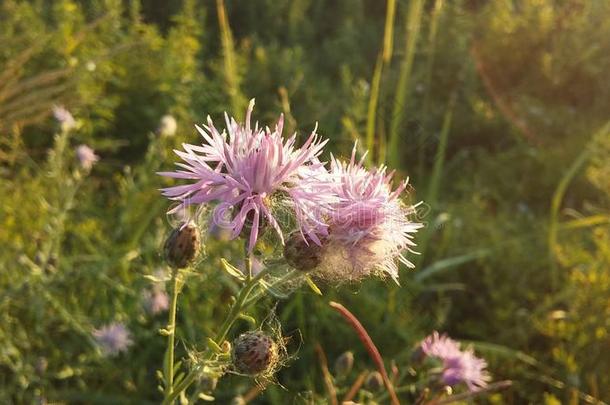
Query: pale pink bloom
(64, 118)
(247, 171)
(156, 300)
(369, 226)
(86, 156)
(113, 338)
(437, 345)
(459, 366)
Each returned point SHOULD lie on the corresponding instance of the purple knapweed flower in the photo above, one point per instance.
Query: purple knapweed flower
(459, 366)
(64, 118)
(441, 346)
(244, 170)
(86, 156)
(156, 300)
(369, 226)
(113, 338)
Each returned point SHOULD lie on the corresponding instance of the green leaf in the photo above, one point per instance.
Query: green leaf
(153, 278)
(206, 397)
(166, 366)
(66, 372)
(164, 332)
(444, 287)
(177, 366)
(448, 263)
(312, 285)
(232, 270)
(178, 378)
(213, 346)
(247, 318)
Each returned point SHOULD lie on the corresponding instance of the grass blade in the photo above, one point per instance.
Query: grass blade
(557, 199)
(414, 17)
(230, 66)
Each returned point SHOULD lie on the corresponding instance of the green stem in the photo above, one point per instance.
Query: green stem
(171, 337)
(284, 279)
(248, 260)
(220, 336)
(238, 306)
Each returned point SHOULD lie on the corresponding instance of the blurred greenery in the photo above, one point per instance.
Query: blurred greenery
(497, 111)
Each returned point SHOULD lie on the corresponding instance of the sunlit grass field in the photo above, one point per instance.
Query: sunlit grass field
(497, 113)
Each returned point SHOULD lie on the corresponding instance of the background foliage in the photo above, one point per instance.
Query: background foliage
(496, 109)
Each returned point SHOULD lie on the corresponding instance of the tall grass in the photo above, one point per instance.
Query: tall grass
(384, 58)
(431, 197)
(557, 198)
(231, 74)
(431, 51)
(412, 29)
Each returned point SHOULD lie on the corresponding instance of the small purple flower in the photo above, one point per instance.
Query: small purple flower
(86, 156)
(113, 338)
(64, 118)
(369, 226)
(156, 300)
(459, 366)
(442, 346)
(247, 169)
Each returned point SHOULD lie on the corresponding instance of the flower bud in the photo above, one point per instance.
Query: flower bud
(344, 364)
(374, 381)
(301, 255)
(254, 353)
(182, 245)
(208, 383)
(226, 346)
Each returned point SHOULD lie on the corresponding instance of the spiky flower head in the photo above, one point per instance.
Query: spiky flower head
(243, 168)
(113, 338)
(459, 366)
(370, 228)
(441, 346)
(86, 156)
(64, 118)
(254, 353)
(156, 300)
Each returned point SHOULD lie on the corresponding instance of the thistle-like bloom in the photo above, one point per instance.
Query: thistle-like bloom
(64, 118)
(113, 338)
(244, 170)
(441, 346)
(86, 156)
(369, 226)
(156, 300)
(459, 366)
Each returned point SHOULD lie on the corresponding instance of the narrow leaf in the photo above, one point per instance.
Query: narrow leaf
(213, 346)
(312, 285)
(247, 318)
(206, 397)
(232, 270)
